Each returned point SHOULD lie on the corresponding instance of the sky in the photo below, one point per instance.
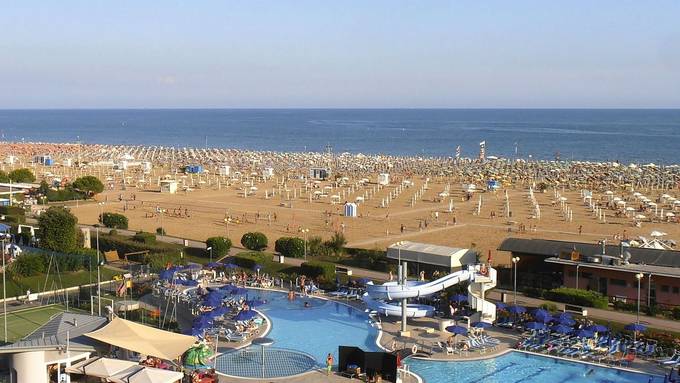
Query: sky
(339, 54)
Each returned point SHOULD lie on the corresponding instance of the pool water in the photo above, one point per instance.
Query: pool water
(317, 329)
(516, 367)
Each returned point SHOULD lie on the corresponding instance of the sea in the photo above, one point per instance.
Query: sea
(625, 135)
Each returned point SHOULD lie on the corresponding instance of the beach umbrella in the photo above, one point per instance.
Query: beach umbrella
(192, 266)
(584, 333)
(561, 329)
(566, 321)
(213, 265)
(227, 287)
(245, 315)
(561, 316)
(597, 328)
(458, 298)
(166, 274)
(230, 266)
(536, 326)
(363, 281)
(458, 330)
(516, 309)
(257, 267)
(483, 325)
(542, 315)
(4, 228)
(501, 306)
(635, 327)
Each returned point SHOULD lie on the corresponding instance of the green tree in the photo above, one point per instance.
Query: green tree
(57, 229)
(4, 177)
(89, 185)
(337, 243)
(44, 188)
(290, 247)
(22, 175)
(254, 241)
(220, 245)
(114, 220)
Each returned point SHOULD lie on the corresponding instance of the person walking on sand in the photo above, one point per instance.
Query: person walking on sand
(329, 364)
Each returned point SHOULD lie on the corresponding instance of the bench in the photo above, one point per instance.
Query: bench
(576, 310)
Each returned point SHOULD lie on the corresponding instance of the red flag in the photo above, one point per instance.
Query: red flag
(488, 259)
(398, 359)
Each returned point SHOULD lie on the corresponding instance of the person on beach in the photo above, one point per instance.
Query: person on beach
(329, 364)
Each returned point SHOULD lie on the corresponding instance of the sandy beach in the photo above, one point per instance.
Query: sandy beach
(427, 200)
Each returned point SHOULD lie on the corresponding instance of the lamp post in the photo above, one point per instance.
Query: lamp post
(226, 224)
(99, 276)
(4, 237)
(514, 279)
(304, 236)
(210, 250)
(639, 277)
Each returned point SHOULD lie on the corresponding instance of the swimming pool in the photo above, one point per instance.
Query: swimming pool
(516, 367)
(318, 329)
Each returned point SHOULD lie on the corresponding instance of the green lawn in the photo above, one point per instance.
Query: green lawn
(22, 322)
(36, 283)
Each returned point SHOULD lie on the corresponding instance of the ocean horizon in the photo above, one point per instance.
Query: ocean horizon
(626, 135)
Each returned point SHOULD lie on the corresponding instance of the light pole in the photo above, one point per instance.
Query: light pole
(210, 250)
(226, 224)
(639, 277)
(514, 279)
(99, 276)
(304, 236)
(5, 236)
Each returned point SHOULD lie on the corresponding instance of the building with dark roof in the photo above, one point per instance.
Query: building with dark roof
(52, 347)
(613, 270)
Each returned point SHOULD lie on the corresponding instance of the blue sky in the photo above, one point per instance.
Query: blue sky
(112, 54)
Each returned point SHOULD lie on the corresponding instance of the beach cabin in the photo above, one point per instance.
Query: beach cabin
(351, 209)
(319, 173)
(168, 186)
(43, 160)
(492, 185)
(67, 162)
(224, 170)
(193, 169)
(384, 179)
(428, 257)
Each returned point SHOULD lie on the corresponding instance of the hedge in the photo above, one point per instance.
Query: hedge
(125, 245)
(249, 261)
(315, 269)
(12, 210)
(290, 247)
(114, 220)
(577, 297)
(254, 241)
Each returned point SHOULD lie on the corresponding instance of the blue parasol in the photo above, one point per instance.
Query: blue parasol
(635, 327)
(597, 328)
(501, 306)
(536, 326)
(561, 329)
(516, 309)
(458, 298)
(584, 333)
(458, 330)
(542, 315)
(481, 324)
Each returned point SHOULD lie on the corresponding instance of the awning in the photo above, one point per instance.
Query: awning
(143, 339)
(100, 367)
(139, 374)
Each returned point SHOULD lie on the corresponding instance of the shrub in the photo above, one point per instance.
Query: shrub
(254, 241)
(622, 306)
(290, 247)
(220, 245)
(248, 261)
(160, 231)
(113, 232)
(315, 246)
(57, 230)
(12, 210)
(159, 261)
(577, 297)
(67, 194)
(28, 264)
(337, 243)
(549, 306)
(315, 269)
(4, 178)
(114, 220)
(145, 238)
(676, 312)
(533, 292)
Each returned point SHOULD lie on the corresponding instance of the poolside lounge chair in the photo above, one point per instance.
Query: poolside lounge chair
(674, 359)
(627, 359)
